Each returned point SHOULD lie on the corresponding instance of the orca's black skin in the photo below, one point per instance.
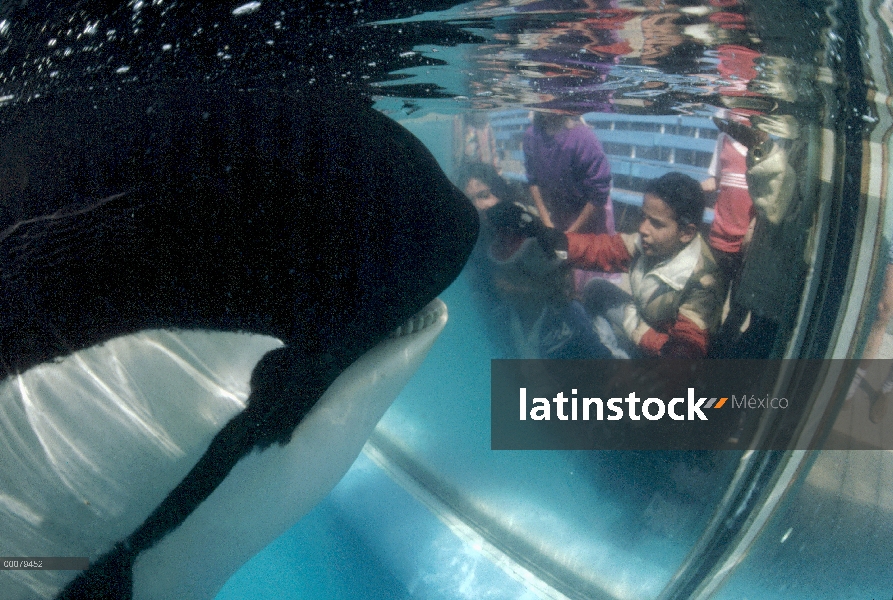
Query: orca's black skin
(306, 216)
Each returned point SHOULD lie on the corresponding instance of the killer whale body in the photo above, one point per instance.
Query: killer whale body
(301, 215)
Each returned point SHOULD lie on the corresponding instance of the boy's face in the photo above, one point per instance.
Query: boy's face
(662, 237)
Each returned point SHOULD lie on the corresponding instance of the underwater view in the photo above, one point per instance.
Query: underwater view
(261, 259)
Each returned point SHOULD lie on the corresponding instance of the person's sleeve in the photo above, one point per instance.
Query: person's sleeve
(600, 251)
(689, 335)
(683, 339)
(597, 176)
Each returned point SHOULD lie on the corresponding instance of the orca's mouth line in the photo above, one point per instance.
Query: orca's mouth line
(421, 320)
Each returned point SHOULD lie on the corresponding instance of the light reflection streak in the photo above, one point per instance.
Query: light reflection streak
(82, 423)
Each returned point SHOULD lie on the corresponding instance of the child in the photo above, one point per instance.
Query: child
(523, 293)
(677, 292)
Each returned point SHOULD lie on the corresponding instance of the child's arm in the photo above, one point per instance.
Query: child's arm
(537, 196)
(601, 251)
(685, 338)
(688, 335)
(597, 251)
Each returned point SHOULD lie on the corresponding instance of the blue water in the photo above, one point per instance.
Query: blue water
(320, 557)
(629, 517)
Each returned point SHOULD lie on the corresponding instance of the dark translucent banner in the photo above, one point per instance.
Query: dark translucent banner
(691, 405)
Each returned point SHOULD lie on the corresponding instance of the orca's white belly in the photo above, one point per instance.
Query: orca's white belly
(93, 443)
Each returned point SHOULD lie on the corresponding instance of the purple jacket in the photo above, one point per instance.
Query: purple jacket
(570, 169)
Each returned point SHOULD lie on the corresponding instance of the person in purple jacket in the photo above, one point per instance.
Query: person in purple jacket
(568, 174)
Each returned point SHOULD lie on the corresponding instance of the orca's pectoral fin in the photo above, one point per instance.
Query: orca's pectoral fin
(109, 578)
(285, 385)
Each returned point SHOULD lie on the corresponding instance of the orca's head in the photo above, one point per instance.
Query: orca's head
(306, 215)
(388, 228)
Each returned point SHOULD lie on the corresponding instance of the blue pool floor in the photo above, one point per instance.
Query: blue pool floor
(627, 519)
(370, 539)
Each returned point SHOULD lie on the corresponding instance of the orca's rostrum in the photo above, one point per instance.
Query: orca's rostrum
(145, 232)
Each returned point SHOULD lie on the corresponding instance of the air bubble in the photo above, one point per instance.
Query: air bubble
(246, 9)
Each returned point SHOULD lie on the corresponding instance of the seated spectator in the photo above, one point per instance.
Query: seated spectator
(771, 280)
(677, 292)
(484, 186)
(523, 293)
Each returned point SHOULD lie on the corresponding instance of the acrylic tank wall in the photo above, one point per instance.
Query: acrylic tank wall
(797, 524)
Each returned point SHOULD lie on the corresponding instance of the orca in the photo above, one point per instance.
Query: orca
(197, 287)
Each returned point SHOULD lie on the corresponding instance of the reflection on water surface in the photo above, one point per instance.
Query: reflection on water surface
(596, 55)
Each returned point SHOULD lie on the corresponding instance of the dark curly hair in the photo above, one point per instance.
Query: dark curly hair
(487, 174)
(682, 194)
